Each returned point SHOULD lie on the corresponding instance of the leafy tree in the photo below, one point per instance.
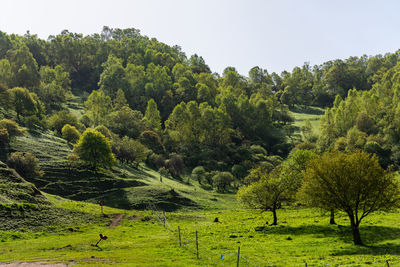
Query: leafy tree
(61, 118)
(70, 133)
(97, 106)
(24, 67)
(153, 141)
(221, 180)
(129, 150)
(95, 149)
(294, 167)
(266, 194)
(119, 100)
(353, 183)
(26, 164)
(23, 102)
(199, 173)
(6, 74)
(126, 122)
(152, 116)
(12, 127)
(113, 76)
(175, 165)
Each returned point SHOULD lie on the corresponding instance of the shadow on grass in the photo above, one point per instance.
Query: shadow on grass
(307, 110)
(369, 234)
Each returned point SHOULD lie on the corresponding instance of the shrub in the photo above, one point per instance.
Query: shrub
(11, 127)
(70, 133)
(26, 164)
(175, 165)
(222, 180)
(59, 119)
(199, 173)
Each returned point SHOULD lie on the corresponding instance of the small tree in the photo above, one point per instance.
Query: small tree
(94, 149)
(266, 194)
(26, 164)
(222, 180)
(70, 133)
(199, 173)
(353, 183)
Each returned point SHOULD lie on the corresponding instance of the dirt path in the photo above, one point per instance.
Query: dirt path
(117, 219)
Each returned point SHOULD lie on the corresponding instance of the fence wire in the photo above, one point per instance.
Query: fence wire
(190, 245)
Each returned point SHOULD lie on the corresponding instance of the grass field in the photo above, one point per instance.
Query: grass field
(313, 114)
(302, 236)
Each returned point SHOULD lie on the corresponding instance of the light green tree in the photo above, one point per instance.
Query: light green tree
(95, 149)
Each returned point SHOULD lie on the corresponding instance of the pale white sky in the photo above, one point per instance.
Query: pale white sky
(276, 35)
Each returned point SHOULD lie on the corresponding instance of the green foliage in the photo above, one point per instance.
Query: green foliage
(265, 193)
(222, 180)
(26, 164)
(54, 86)
(70, 133)
(129, 150)
(199, 173)
(353, 183)
(152, 116)
(58, 120)
(97, 107)
(23, 102)
(95, 149)
(11, 126)
(125, 122)
(153, 141)
(175, 165)
(104, 131)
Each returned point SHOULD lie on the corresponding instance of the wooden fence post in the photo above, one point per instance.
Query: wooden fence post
(164, 218)
(197, 246)
(179, 234)
(237, 264)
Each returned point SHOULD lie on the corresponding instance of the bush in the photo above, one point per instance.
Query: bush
(199, 173)
(59, 119)
(175, 165)
(156, 161)
(70, 133)
(11, 127)
(222, 180)
(26, 164)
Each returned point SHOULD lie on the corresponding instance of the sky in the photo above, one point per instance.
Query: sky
(274, 35)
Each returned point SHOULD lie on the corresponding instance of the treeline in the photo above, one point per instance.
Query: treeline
(138, 91)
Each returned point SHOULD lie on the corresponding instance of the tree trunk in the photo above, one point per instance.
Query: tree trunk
(275, 218)
(356, 231)
(332, 220)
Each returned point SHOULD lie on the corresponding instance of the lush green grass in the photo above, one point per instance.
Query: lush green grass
(313, 114)
(303, 235)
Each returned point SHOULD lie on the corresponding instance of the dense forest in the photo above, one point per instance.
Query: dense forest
(157, 105)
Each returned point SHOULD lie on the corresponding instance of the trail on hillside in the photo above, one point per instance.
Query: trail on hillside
(116, 220)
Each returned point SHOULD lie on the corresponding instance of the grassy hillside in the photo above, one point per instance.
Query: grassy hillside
(301, 114)
(122, 186)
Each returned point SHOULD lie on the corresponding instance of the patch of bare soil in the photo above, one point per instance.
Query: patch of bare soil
(116, 220)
